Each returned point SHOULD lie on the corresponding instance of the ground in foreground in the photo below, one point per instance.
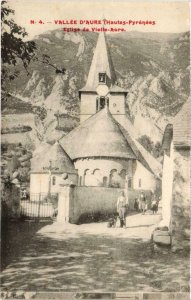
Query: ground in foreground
(92, 257)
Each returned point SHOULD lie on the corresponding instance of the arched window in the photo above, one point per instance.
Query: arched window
(122, 175)
(114, 180)
(105, 181)
(86, 175)
(54, 180)
(97, 178)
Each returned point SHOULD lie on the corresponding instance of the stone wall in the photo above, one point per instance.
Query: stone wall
(167, 182)
(10, 201)
(180, 208)
(91, 200)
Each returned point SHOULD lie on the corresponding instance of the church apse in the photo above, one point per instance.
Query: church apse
(103, 172)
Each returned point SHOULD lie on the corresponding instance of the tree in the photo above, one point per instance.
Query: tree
(154, 149)
(158, 150)
(13, 48)
(146, 142)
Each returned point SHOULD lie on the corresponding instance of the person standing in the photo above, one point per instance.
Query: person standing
(122, 209)
(154, 205)
(143, 203)
(24, 194)
(136, 205)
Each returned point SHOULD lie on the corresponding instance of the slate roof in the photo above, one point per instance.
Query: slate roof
(42, 147)
(102, 136)
(98, 136)
(60, 160)
(101, 63)
(142, 155)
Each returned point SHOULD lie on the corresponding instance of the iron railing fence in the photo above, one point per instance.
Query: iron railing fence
(39, 206)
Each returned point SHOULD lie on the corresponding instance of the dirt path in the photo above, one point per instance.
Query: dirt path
(92, 257)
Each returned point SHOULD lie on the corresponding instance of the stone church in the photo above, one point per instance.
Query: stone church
(103, 150)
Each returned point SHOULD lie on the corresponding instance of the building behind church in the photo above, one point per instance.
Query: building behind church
(176, 180)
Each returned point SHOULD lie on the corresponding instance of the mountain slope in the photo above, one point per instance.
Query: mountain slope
(154, 68)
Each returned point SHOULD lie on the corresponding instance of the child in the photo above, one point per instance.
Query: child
(154, 206)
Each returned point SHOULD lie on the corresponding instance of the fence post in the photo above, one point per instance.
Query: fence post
(39, 207)
(64, 203)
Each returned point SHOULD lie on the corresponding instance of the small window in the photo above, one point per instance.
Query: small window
(139, 182)
(102, 77)
(53, 180)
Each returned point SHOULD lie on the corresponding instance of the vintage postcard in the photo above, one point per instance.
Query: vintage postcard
(95, 149)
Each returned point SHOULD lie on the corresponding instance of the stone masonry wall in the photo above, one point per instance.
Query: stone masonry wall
(180, 208)
(90, 200)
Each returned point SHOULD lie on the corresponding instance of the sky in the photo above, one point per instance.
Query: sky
(169, 16)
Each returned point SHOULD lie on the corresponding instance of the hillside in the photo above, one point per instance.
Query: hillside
(13, 105)
(154, 68)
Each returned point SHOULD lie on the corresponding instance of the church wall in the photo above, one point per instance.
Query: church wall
(56, 180)
(117, 103)
(88, 105)
(39, 183)
(143, 179)
(91, 171)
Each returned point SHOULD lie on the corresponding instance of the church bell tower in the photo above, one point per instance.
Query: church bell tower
(101, 88)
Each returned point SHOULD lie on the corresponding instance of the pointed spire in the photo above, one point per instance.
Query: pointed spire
(101, 63)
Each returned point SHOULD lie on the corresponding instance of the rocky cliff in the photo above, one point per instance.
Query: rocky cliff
(154, 68)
